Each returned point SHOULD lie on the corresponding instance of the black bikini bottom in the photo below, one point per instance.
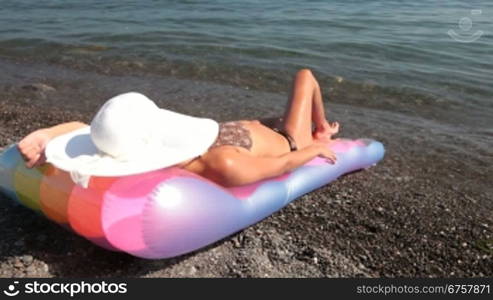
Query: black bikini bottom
(289, 138)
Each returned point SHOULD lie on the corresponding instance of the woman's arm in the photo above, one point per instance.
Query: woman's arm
(65, 128)
(33, 145)
(230, 167)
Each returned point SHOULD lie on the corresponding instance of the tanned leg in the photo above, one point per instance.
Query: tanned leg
(305, 108)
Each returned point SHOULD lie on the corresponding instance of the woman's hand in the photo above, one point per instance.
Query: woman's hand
(325, 152)
(32, 147)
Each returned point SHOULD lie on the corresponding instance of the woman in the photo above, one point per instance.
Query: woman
(244, 151)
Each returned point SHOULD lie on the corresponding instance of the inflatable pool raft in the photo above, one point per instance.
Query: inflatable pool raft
(171, 211)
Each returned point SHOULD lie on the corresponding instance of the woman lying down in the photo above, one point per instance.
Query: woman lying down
(130, 135)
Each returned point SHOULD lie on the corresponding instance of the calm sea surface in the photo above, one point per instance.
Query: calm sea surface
(437, 47)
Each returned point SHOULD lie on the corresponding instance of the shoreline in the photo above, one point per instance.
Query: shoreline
(367, 93)
(424, 211)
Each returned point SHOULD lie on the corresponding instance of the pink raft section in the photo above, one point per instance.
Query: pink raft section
(168, 212)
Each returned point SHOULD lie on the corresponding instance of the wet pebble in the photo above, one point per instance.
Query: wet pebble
(27, 259)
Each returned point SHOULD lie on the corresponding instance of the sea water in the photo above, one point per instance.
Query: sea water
(435, 47)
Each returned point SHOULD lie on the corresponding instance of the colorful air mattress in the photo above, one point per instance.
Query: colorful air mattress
(171, 211)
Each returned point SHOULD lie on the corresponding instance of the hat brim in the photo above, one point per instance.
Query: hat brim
(76, 152)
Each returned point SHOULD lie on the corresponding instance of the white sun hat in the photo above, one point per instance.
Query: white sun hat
(129, 135)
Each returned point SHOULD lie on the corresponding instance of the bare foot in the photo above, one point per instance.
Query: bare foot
(326, 131)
